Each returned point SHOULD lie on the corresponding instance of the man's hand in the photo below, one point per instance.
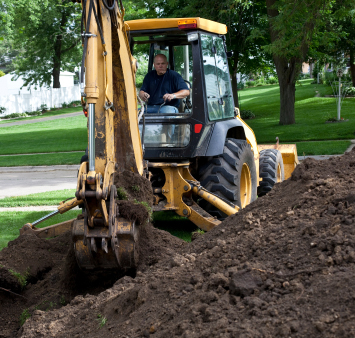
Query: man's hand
(169, 97)
(144, 96)
(181, 94)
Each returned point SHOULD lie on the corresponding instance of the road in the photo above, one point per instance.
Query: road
(19, 181)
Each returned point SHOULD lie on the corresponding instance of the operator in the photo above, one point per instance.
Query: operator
(163, 86)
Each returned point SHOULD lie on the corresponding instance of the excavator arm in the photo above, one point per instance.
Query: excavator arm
(101, 238)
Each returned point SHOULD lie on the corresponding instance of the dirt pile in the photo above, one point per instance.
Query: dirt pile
(135, 197)
(282, 267)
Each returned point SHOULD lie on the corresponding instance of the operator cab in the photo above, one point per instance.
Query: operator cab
(195, 48)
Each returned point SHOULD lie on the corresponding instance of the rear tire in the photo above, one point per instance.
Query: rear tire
(271, 170)
(231, 176)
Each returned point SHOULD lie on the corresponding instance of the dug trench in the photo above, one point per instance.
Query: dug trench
(282, 267)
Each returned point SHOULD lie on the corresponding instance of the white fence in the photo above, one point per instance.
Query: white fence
(52, 98)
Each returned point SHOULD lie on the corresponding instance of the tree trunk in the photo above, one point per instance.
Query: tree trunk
(287, 72)
(352, 66)
(58, 51)
(57, 61)
(235, 90)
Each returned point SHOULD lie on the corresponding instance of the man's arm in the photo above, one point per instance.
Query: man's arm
(181, 94)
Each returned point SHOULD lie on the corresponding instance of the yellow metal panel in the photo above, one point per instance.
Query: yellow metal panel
(204, 24)
(251, 139)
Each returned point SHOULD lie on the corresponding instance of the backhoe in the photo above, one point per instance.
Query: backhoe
(204, 162)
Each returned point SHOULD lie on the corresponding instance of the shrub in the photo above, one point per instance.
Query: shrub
(75, 103)
(34, 113)
(247, 114)
(304, 76)
(271, 80)
(65, 105)
(250, 83)
(43, 108)
(15, 115)
(349, 91)
(240, 85)
(330, 77)
(2, 110)
(346, 77)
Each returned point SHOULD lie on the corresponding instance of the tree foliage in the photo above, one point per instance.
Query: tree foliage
(47, 34)
(295, 27)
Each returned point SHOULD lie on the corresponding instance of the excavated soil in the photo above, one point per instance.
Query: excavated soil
(282, 267)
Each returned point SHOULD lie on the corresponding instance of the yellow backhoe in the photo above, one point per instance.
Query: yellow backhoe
(203, 162)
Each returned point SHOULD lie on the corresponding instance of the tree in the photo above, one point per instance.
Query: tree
(343, 46)
(294, 26)
(48, 35)
(7, 51)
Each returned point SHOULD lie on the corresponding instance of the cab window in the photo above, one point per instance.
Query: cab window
(216, 72)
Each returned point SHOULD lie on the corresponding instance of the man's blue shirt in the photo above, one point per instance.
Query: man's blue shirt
(159, 85)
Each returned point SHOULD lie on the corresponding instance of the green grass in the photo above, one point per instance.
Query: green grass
(334, 147)
(67, 134)
(41, 159)
(46, 114)
(11, 222)
(176, 225)
(44, 198)
(311, 113)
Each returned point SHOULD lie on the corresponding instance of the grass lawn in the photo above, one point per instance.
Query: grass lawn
(335, 147)
(11, 222)
(46, 114)
(44, 198)
(41, 159)
(311, 113)
(67, 134)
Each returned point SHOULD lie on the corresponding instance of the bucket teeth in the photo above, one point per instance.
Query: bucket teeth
(104, 244)
(93, 244)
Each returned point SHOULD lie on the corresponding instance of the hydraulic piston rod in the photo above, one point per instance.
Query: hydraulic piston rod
(91, 137)
(63, 207)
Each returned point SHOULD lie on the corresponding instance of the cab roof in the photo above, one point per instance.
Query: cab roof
(187, 23)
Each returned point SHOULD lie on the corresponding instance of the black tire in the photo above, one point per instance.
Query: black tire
(271, 170)
(231, 176)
